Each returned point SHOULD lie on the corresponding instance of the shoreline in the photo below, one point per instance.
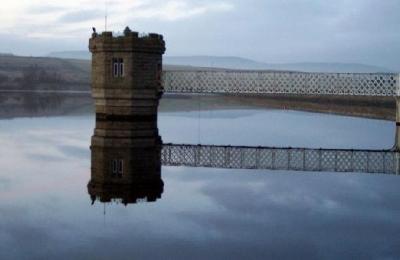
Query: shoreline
(15, 103)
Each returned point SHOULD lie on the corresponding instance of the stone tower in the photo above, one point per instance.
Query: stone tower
(126, 87)
(126, 74)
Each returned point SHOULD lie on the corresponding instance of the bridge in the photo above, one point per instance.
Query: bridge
(275, 82)
(272, 158)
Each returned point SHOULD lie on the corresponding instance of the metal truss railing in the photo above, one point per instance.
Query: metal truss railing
(267, 82)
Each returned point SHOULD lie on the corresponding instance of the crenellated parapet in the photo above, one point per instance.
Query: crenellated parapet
(129, 42)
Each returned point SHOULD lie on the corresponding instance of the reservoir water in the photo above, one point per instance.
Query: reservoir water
(202, 213)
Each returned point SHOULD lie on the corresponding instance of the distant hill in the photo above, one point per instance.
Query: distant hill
(242, 63)
(80, 55)
(247, 64)
(6, 54)
(48, 73)
(41, 73)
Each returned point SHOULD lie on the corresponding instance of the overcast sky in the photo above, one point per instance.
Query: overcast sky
(273, 31)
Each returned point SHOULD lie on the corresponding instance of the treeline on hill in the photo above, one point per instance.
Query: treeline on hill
(28, 73)
(3, 79)
(36, 75)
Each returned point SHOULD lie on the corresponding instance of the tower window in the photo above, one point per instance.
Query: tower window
(118, 67)
(117, 167)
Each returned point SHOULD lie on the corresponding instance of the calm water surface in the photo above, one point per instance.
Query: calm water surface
(46, 212)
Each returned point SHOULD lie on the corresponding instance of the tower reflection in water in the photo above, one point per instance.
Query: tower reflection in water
(126, 161)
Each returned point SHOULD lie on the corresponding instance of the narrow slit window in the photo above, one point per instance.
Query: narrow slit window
(117, 167)
(114, 166)
(115, 68)
(118, 67)
(121, 67)
(120, 167)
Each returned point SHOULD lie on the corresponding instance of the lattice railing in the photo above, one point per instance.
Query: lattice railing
(294, 159)
(264, 82)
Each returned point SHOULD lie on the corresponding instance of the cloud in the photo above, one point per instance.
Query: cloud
(178, 10)
(81, 16)
(274, 31)
(41, 9)
(75, 17)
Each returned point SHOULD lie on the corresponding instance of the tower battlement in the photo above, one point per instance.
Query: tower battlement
(128, 42)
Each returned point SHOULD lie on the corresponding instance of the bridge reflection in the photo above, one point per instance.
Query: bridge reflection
(291, 159)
